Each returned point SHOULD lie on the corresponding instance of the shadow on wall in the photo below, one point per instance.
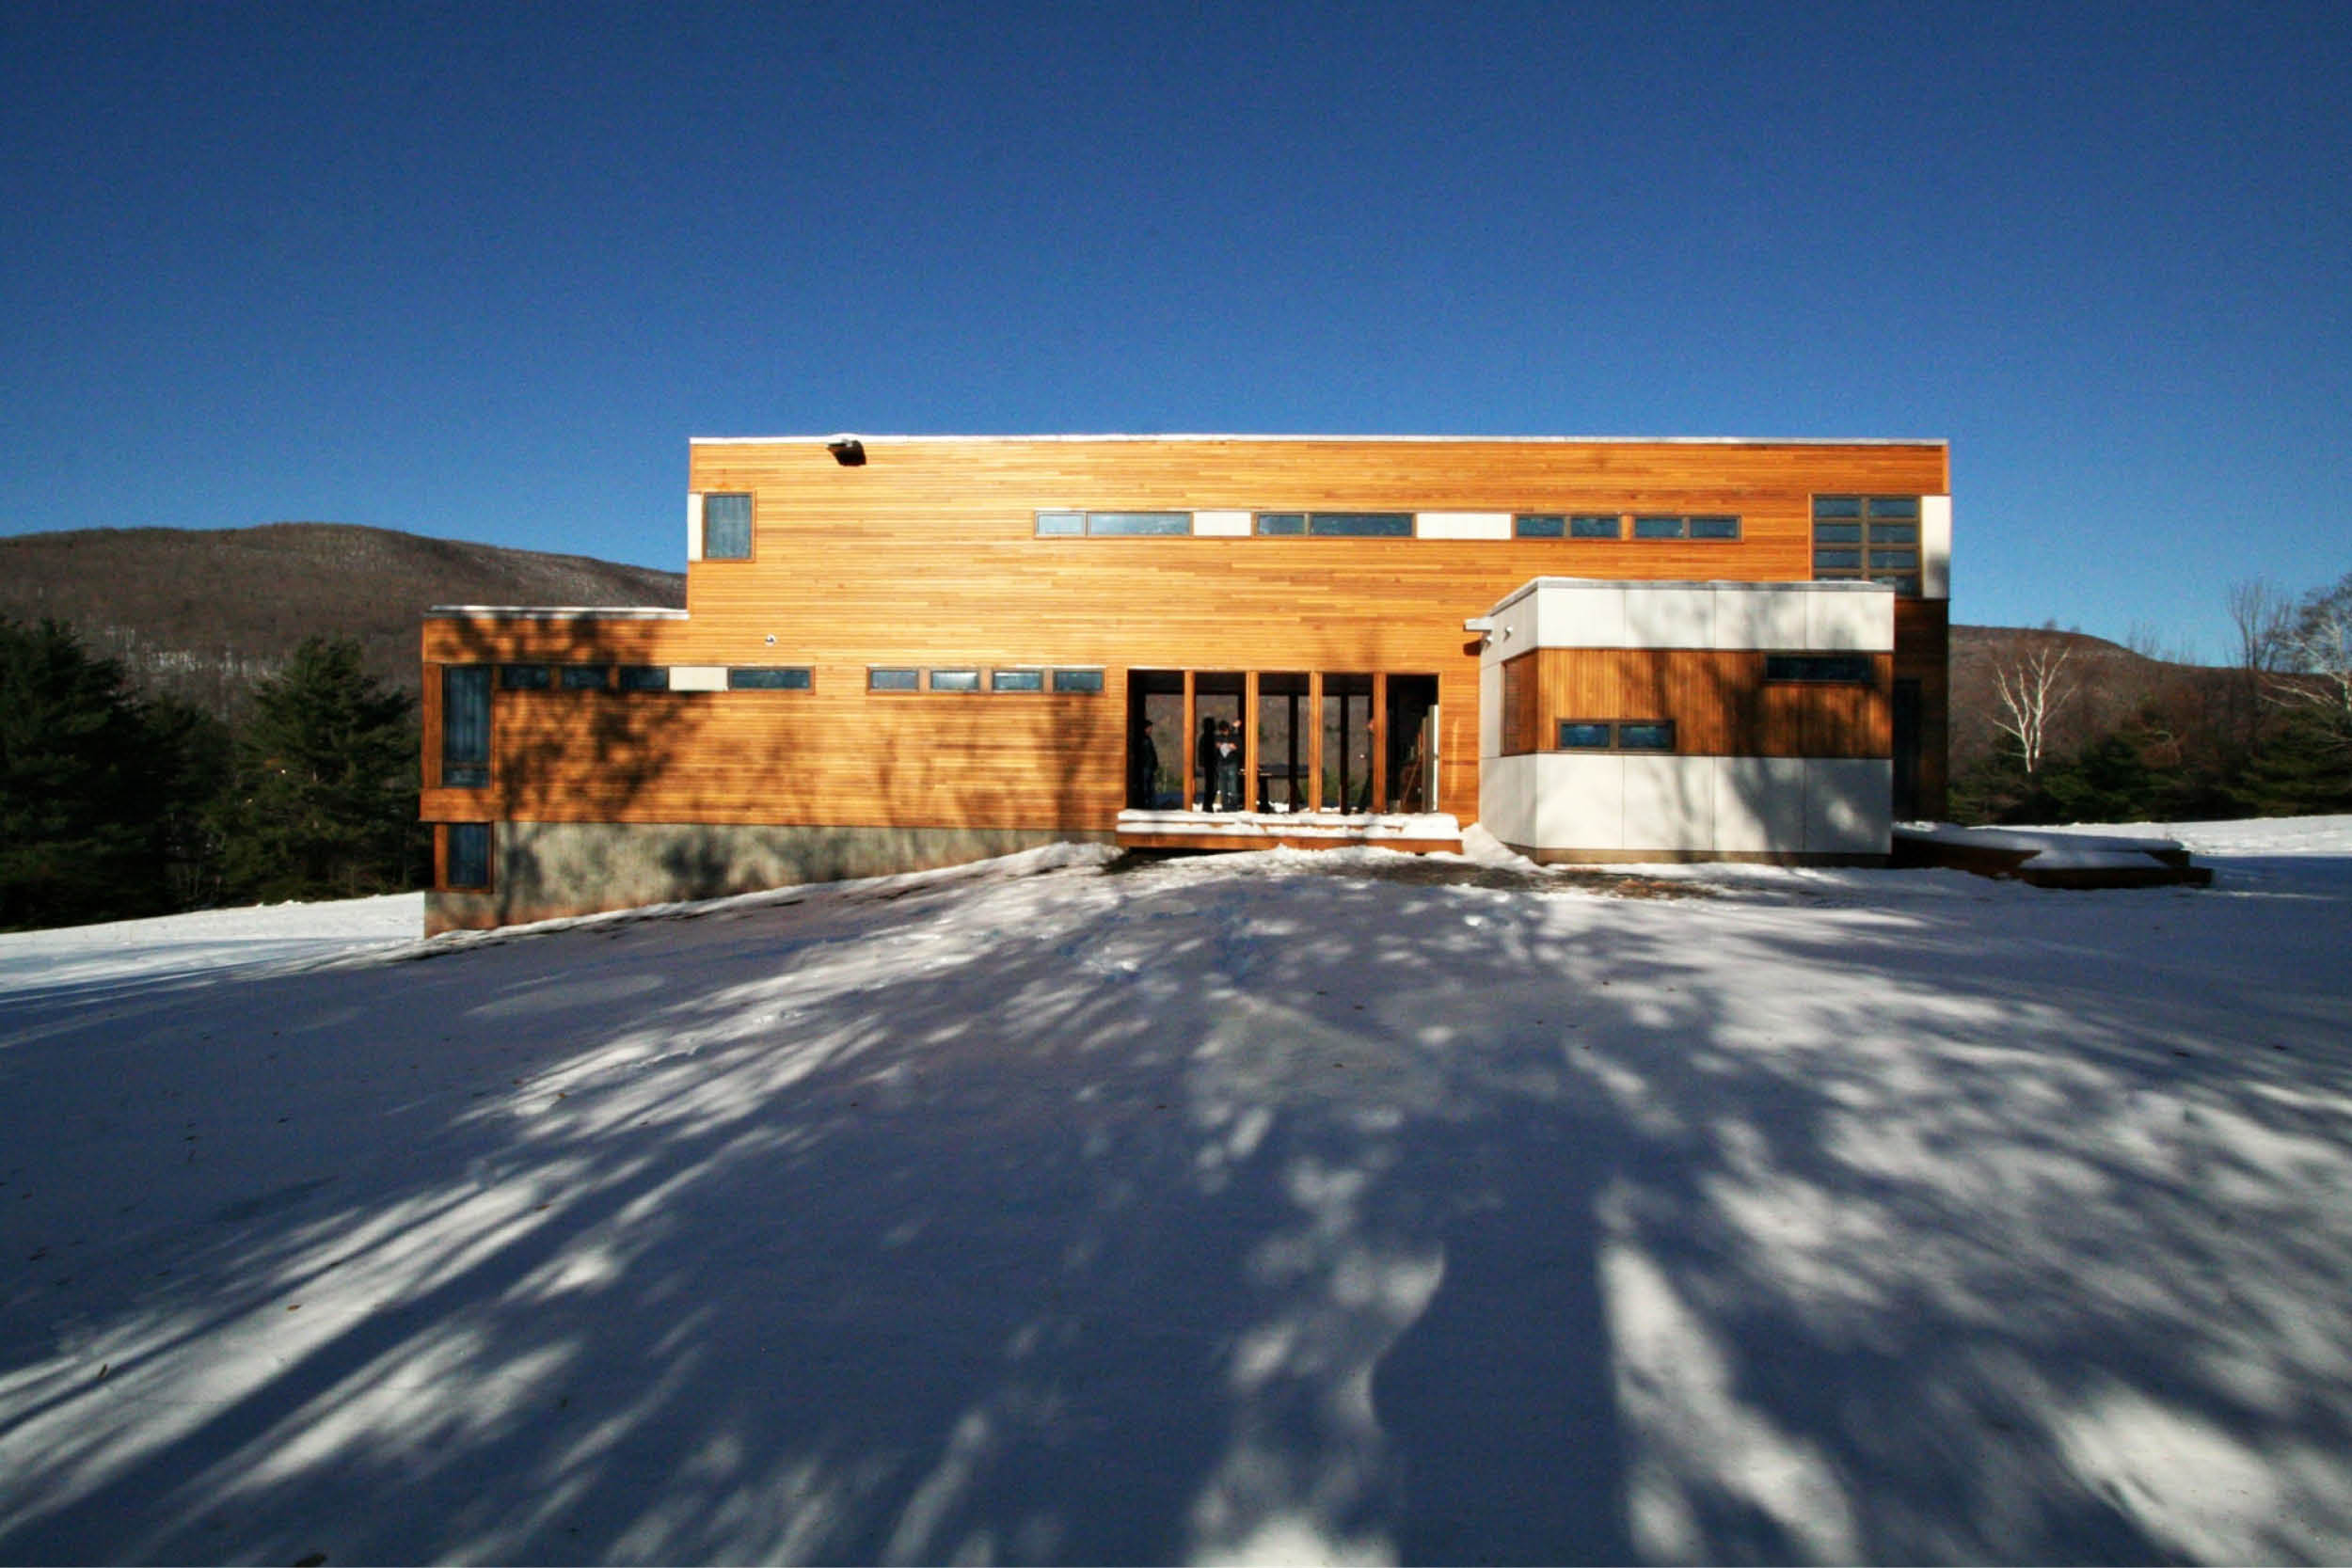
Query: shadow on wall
(1206, 1216)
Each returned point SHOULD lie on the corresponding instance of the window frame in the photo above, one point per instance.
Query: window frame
(1862, 518)
(1616, 729)
(1790, 666)
(751, 527)
(1036, 670)
(807, 681)
(448, 857)
(632, 679)
(875, 684)
(1056, 673)
(568, 677)
(525, 677)
(931, 680)
(466, 766)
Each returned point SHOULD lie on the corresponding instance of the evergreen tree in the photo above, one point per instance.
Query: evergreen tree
(324, 802)
(83, 785)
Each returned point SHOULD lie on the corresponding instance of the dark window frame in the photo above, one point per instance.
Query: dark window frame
(1035, 672)
(1085, 672)
(459, 769)
(1862, 528)
(573, 678)
(892, 687)
(449, 879)
(1539, 525)
(1616, 729)
(637, 678)
(753, 677)
(1071, 523)
(525, 677)
(1821, 669)
(931, 680)
(751, 526)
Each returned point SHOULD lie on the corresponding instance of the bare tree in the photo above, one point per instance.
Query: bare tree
(2263, 616)
(2315, 654)
(2031, 685)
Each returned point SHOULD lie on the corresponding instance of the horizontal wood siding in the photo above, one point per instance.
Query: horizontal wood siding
(928, 556)
(1720, 702)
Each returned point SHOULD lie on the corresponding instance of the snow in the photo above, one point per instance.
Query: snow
(1270, 824)
(1271, 1206)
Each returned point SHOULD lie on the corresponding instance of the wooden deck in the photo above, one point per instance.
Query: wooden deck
(1233, 830)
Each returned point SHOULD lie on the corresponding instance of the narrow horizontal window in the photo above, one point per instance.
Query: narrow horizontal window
(523, 677)
(1837, 533)
(1139, 522)
(1579, 734)
(955, 680)
(1893, 533)
(1078, 680)
(1657, 528)
(583, 678)
(1836, 506)
(1061, 524)
(1016, 680)
(1282, 522)
(1649, 736)
(767, 677)
(1822, 669)
(1900, 584)
(1892, 560)
(1714, 527)
(645, 677)
(469, 855)
(894, 680)
(1360, 525)
(726, 528)
(1837, 560)
(1894, 506)
(1595, 525)
(1539, 525)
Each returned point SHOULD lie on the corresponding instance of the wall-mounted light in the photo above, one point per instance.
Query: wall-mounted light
(848, 451)
(1479, 623)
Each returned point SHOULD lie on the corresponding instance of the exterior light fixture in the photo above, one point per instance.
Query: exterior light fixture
(848, 451)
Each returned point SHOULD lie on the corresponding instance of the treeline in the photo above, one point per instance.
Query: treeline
(115, 804)
(2069, 735)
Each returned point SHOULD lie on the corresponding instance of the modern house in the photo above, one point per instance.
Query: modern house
(910, 651)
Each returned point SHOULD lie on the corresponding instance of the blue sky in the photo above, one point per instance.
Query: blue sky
(481, 270)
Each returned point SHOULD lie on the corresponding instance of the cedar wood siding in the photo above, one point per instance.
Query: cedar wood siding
(928, 556)
(1720, 702)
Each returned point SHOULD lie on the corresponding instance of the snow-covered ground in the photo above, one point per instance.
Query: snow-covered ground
(1267, 1207)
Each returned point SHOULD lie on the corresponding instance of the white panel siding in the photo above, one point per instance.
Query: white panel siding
(1508, 792)
(1760, 804)
(698, 677)
(1489, 706)
(1849, 620)
(1669, 803)
(1577, 616)
(1674, 617)
(1748, 618)
(1849, 807)
(1580, 803)
(1935, 547)
(1462, 524)
(693, 525)
(1220, 525)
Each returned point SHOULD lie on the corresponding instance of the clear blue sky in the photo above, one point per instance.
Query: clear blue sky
(480, 270)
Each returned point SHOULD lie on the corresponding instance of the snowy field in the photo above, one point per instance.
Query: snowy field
(1267, 1207)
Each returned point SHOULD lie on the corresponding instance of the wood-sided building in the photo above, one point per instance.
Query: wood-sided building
(904, 652)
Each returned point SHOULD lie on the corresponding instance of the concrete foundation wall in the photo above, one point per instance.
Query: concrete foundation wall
(546, 870)
(1572, 806)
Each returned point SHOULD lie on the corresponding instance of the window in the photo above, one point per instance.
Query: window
(583, 678)
(1577, 735)
(645, 677)
(894, 680)
(1657, 528)
(1062, 524)
(726, 528)
(1603, 735)
(1339, 525)
(1016, 680)
(1594, 525)
(466, 725)
(1851, 535)
(468, 864)
(1714, 527)
(1649, 736)
(1833, 669)
(522, 677)
(767, 678)
(1078, 680)
(955, 680)
(1540, 525)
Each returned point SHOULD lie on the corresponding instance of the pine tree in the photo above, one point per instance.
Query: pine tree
(82, 785)
(324, 802)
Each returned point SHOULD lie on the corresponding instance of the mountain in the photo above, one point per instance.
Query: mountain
(2105, 685)
(203, 613)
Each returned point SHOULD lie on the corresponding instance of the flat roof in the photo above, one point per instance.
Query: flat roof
(1530, 440)
(554, 612)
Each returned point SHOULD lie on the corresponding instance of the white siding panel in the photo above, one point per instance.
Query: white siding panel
(1935, 547)
(698, 677)
(1854, 620)
(1462, 524)
(1220, 525)
(1506, 798)
(693, 525)
(1580, 803)
(1674, 617)
(1669, 803)
(1579, 617)
(1489, 706)
(1760, 804)
(1848, 806)
(1770, 618)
